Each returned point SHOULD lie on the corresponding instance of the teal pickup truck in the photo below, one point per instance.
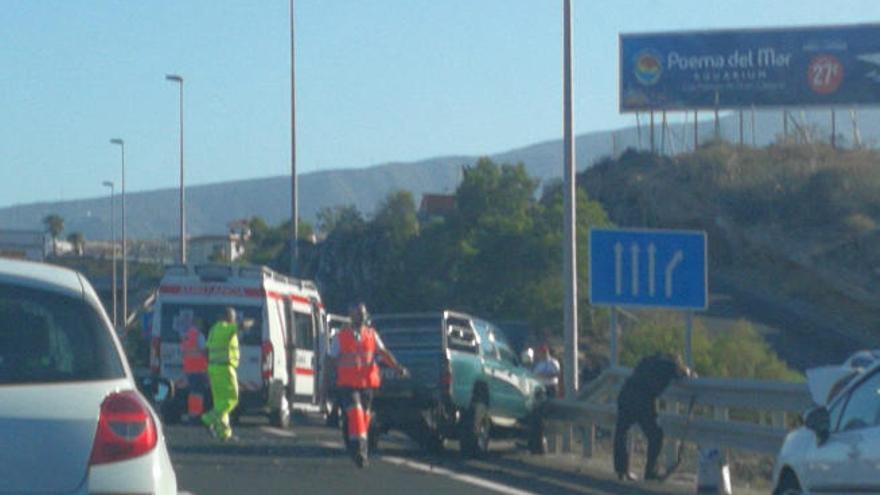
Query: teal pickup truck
(465, 382)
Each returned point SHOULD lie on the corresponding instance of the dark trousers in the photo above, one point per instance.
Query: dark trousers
(643, 414)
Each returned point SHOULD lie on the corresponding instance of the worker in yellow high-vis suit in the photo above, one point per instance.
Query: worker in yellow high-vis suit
(223, 357)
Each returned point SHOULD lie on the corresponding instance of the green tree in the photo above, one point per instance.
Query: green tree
(396, 216)
(54, 225)
(345, 217)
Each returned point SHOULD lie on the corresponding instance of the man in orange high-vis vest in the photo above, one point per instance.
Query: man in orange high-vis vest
(355, 351)
(195, 367)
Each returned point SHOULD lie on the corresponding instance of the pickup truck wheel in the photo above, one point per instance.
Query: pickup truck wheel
(431, 440)
(476, 431)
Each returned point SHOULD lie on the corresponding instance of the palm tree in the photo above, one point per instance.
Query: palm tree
(78, 241)
(54, 227)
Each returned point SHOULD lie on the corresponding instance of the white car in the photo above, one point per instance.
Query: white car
(838, 449)
(71, 418)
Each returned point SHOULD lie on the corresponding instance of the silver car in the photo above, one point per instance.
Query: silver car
(71, 418)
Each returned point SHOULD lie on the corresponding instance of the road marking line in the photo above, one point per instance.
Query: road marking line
(331, 445)
(278, 432)
(465, 478)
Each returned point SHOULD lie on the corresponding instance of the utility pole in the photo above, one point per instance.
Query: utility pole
(570, 249)
(119, 142)
(294, 207)
(179, 80)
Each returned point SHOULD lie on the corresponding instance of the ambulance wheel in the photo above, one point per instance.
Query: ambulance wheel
(280, 416)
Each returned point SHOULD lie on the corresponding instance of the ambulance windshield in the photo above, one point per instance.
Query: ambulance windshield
(177, 318)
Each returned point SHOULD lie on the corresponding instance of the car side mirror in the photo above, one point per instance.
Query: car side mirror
(156, 389)
(527, 357)
(819, 421)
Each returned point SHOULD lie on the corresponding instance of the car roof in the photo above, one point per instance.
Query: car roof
(41, 276)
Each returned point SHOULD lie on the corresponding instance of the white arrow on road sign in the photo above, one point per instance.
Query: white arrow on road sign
(676, 260)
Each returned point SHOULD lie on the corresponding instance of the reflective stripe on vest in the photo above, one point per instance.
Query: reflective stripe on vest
(356, 365)
(194, 358)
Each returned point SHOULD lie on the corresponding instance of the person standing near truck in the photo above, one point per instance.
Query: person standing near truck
(355, 353)
(547, 370)
(636, 405)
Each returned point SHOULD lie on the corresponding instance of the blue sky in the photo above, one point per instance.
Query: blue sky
(377, 81)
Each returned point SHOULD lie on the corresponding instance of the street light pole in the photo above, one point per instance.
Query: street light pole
(294, 208)
(121, 144)
(176, 78)
(569, 277)
(110, 184)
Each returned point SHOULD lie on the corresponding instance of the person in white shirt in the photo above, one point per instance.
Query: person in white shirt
(547, 370)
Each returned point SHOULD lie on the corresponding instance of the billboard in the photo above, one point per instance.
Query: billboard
(742, 68)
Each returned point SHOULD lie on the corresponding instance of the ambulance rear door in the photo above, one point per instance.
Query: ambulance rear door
(303, 339)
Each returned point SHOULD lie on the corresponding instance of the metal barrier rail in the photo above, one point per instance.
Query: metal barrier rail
(769, 402)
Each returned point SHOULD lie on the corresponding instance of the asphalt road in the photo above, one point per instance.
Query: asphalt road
(309, 459)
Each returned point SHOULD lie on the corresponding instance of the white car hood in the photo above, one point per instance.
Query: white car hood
(47, 432)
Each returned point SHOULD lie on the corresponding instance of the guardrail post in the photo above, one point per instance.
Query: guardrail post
(553, 439)
(567, 436)
(588, 439)
(777, 419)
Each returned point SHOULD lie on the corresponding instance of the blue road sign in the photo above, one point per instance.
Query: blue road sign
(837, 65)
(657, 268)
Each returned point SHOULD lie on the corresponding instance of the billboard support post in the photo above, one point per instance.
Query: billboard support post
(785, 125)
(833, 129)
(717, 120)
(742, 142)
(754, 139)
(639, 129)
(857, 138)
(651, 132)
(696, 130)
(663, 129)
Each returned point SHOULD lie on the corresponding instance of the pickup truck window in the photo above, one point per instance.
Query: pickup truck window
(460, 336)
(507, 355)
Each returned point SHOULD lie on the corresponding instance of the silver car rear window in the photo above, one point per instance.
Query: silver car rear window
(50, 338)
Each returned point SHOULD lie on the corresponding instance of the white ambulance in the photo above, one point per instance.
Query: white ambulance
(278, 367)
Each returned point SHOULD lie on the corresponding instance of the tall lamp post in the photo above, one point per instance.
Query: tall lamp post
(179, 80)
(121, 144)
(570, 201)
(294, 210)
(110, 184)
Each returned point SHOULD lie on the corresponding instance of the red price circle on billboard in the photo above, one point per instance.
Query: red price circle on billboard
(825, 74)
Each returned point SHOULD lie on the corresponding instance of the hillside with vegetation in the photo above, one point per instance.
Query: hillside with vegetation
(792, 226)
